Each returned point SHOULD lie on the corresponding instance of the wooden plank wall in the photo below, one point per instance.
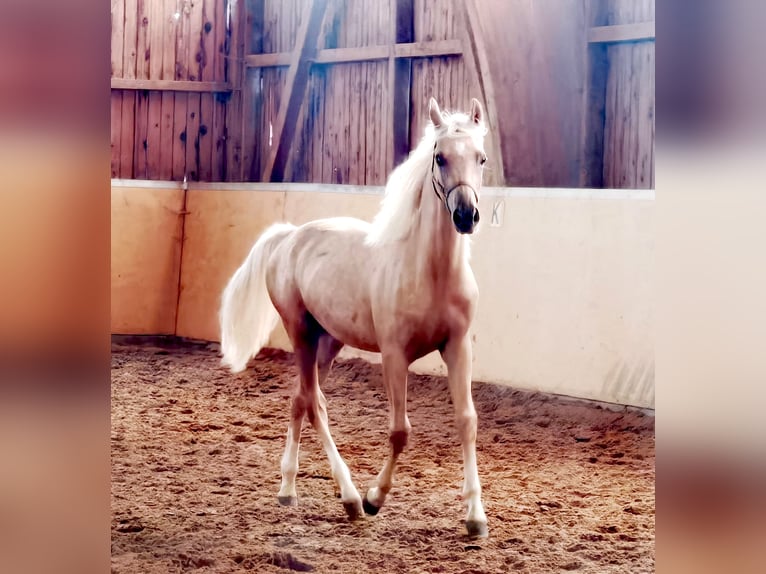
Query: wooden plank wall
(537, 54)
(629, 106)
(165, 134)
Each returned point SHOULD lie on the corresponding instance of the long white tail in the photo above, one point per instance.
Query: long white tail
(247, 316)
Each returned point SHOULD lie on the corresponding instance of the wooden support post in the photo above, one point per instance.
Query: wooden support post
(295, 88)
(253, 102)
(405, 33)
(234, 69)
(591, 157)
(480, 66)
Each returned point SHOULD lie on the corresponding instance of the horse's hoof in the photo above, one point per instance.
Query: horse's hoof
(353, 510)
(476, 529)
(369, 507)
(288, 500)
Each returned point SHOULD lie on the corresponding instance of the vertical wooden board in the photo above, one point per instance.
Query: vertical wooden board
(416, 94)
(180, 107)
(610, 175)
(372, 120)
(363, 127)
(267, 46)
(127, 134)
(129, 58)
(165, 152)
(652, 87)
(591, 154)
(219, 105)
(153, 147)
(118, 31)
(168, 100)
(144, 42)
(116, 125)
(614, 117)
(192, 137)
(207, 73)
(183, 31)
(140, 170)
(195, 41)
(142, 97)
(343, 149)
(608, 118)
(641, 117)
(253, 120)
(387, 19)
(624, 116)
(155, 47)
(205, 137)
(235, 164)
(647, 118)
(179, 136)
(625, 98)
(329, 127)
(373, 159)
(327, 107)
(219, 142)
(635, 108)
(319, 126)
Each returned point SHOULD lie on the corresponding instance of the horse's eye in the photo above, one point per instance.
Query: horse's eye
(483, 159)
(439, 159)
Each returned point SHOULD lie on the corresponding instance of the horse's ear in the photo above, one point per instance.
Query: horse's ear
(435, 113)
(477, 112)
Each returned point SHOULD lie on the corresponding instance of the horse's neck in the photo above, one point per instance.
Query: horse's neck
(439, 249)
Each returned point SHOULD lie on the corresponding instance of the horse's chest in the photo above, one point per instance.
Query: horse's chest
(427, 331)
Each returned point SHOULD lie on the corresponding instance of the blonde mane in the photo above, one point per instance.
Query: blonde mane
(402, 196)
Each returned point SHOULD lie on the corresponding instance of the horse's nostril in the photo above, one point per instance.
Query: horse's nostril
(476, 216)
(456, 217)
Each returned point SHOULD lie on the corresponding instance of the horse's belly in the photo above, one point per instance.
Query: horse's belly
(349, 322)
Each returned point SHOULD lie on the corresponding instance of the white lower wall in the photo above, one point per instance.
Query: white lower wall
(565, 279)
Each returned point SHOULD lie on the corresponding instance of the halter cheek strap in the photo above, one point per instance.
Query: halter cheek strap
(444, 196)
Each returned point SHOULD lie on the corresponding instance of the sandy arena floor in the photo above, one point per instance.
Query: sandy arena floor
(195, 471)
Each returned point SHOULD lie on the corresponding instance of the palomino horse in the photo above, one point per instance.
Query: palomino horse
(401, 286)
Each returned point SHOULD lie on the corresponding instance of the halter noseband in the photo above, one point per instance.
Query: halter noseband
(445, 195)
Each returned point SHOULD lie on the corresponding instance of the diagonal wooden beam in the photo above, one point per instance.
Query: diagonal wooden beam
(295, 89)
(622, 33)
(477, 60)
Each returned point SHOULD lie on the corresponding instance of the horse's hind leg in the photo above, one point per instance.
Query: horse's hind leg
(313, 404)
(287, 494)
(327, 349)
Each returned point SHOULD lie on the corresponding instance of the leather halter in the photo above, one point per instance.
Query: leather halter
(444, 196)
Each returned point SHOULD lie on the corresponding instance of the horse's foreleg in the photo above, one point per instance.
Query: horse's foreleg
(457, 356)
(316, 410)
(395, 381)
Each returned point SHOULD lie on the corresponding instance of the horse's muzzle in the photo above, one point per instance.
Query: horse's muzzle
(465, 218)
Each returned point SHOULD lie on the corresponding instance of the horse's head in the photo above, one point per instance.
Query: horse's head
(458, 162)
